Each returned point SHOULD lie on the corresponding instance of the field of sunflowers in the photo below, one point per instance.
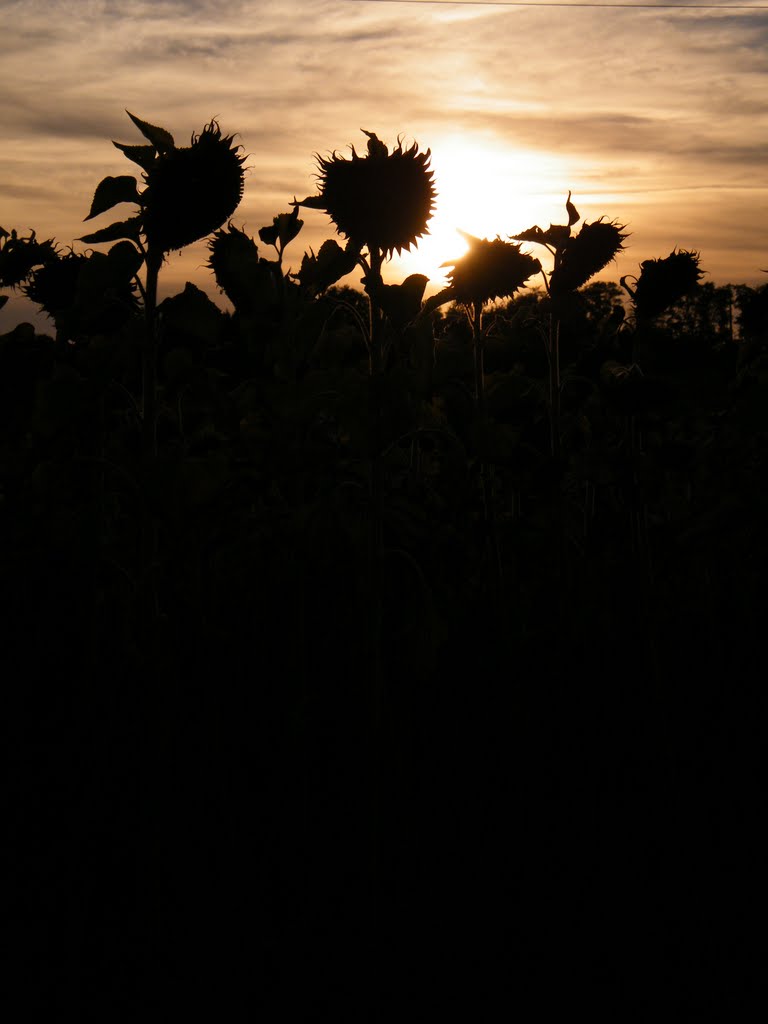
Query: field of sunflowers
(355, 641)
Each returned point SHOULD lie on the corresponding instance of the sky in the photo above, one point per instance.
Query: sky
(653, 116)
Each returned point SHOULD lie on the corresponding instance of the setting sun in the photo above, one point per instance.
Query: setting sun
(486, 189)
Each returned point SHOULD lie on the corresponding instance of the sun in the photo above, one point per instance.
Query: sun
(486, 188)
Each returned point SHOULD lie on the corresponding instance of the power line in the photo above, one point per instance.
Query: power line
(578, 3)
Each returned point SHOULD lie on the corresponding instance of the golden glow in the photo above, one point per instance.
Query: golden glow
(487, 190)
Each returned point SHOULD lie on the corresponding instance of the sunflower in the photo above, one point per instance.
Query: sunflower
(664, 282)
(53, 286)
(381, 200)
(19, 256)
(191, 191)
(490, 270)
(584, 255)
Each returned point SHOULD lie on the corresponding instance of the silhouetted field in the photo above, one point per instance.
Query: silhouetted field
(368, 658)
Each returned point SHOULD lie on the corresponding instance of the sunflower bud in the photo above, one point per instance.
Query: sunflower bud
(191, 191)
(382, 200)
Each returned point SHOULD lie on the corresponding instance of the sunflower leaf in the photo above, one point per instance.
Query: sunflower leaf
(130, 228)
(144, 156)
(573, 213)
(435, 301)
(159, 137)
(112, 191)
(555, 236)
(311, 202)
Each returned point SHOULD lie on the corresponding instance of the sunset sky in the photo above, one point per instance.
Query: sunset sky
(654, 116)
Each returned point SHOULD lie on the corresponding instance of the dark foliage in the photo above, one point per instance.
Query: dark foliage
(262, 745)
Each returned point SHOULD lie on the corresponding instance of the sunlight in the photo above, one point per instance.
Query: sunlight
(487, 189)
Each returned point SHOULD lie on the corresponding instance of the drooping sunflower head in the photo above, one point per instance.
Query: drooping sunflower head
(586, 254)
(19, 256)
(234, 259)
(664, 282)
(381, 200)
(54, 285)
(489, 270)
(191, 191)
(87, 294)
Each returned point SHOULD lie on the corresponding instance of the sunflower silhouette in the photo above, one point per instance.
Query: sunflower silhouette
(382, 200)
(489, 270)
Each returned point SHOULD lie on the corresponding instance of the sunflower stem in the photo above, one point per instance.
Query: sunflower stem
(554, 383)
(476, 321)
(475, 314)
(149, 533)
(376, 683)
(375, 370)
(149, 354)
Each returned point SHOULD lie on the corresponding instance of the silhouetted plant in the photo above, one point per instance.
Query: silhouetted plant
(489, 270)
(20, 255)
(283, 229)
(322, 271)
(381, 203)
(83, 293)
(663, 282)
(189, 193)
(236, 265)
(577, 258)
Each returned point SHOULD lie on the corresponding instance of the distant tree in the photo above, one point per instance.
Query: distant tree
(752, 312)
(600, 299)
(706, 313)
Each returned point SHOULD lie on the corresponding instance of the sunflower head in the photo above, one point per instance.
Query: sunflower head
(192, 190)
(490, 270)
(54, 285)
(86, 294)
(19, 256)
(663, 282)
(234, 259)
(381, 200)
(584, 255)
